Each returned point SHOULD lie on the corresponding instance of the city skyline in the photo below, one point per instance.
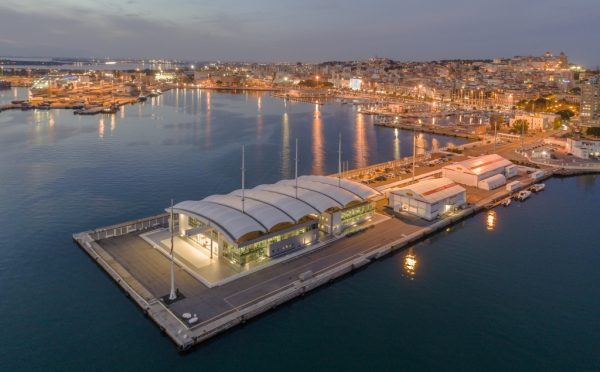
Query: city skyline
(308, 32)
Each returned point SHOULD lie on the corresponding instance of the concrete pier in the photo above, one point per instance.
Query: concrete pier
(203, 311)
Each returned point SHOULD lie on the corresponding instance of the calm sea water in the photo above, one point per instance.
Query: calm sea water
(523, 295)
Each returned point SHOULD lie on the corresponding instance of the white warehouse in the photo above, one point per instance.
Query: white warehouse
(428, 199)
(487, 172)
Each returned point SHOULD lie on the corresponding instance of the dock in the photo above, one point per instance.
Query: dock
(450, 131)
(142, 271)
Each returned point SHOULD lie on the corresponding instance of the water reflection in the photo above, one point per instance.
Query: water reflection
(317, 145)
(259, 126)
(410, 263)
(113, 123)
(490, 220)
(360, 142)
(421, 144)
(101, 127)
(285, 147)
(397, 154)
(435, 144)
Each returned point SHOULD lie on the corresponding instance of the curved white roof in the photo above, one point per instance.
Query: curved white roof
(362, 191)
(318, 201)
(265, 214)
(229, 221)
(295, 208)
(336, 193)
(266, 206)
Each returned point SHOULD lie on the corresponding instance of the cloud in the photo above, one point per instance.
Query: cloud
(310, 30)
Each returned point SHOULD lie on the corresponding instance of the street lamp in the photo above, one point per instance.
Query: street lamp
(173, 292)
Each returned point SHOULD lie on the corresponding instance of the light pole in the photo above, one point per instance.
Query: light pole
(172, 294)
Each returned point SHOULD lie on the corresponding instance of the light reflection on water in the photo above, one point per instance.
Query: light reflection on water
(60, 178)
(187, 118)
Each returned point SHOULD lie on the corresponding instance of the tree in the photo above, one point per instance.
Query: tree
(520, 126)
(557, 123)
(593, 131)
(565, 114)
(496, 121)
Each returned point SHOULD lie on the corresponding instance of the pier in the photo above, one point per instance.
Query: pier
(450, 131)
(202, 311)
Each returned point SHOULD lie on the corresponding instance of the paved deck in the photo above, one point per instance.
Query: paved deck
(151, 269)
(143, 272)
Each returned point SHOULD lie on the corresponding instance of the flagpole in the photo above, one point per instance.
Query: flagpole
(172, 294)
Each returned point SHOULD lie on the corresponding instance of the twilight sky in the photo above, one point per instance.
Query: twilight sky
(301, 30)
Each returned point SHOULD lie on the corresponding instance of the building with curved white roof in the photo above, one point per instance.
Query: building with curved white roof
(269, 220)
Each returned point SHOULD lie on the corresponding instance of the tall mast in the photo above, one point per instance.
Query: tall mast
(172, 293)
(243, 180)
(340, 161)
(414, 153)
(296, 169)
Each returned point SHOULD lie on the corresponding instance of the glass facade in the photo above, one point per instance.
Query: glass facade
(357, 214)
(286, 240)
(255, 251)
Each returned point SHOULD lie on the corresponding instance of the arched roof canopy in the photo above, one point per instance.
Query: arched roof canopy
(230, 222)
(268, 208)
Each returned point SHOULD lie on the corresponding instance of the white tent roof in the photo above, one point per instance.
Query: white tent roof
(362, 191)
(295, 208)
(265, 214)
(316, 200)
(432, 190)
(338, 194)
(266, 206)
(229, 221)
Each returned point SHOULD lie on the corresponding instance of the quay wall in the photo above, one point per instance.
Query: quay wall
(186, 336)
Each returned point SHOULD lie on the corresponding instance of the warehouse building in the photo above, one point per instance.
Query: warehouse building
(428, 199)
(478, 172)
(250, 225)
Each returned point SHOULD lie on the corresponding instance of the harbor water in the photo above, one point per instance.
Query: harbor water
(514, 290)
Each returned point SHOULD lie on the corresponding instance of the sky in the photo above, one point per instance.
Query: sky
(301, 30)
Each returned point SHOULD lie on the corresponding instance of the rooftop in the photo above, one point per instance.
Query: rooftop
(267, 206)
(481, 164)
(432, 190)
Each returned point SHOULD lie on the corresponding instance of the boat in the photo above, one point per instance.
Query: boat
(538, 187)
(506, 202)
(109, 110)
(142, 98)
(522, 195)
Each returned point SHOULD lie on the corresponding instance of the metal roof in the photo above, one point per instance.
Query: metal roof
(431, 191)
(266, 206)
(481, 165)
